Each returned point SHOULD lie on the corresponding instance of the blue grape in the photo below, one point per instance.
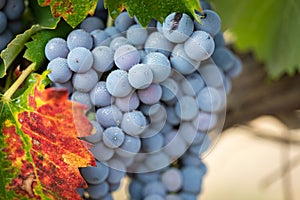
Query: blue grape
(192, 179)
(100, 38)
(3, 22)
(235, 70)
(133, 123)
(128, 103)
(210, 22)
(99, 95)
(112, 31)
(186, 108)
(80, 60)
(123, 21)
(148, 177)
(140, 76)
(175, 146)
(59, 70)
(211, 75)
(109, 116)
(135, 189)
(156, 42)
(210, 99)
(79, 38)
(13, 9)
(219, 40)
(84, 82)
(187, 132)
(126, 56)
(223, 58)
(113, 137)
(95, 175)
(82, 97)
(117, 42)
(205, 121)
(96, 134)
(56, 47)
(192, 84)
(153, 143)
(154, 187)
(172, 117)
(98, 191)
(150, 95)
(189, 159)
(5, 38)
(199, 46)
(102, 152)
(177, 27)
(130, 146)
(169, 89)
(137, 35)
(181, 62)
(117, 83)
(159, 65)
(103, 58)
(91, 23)
(172, 179)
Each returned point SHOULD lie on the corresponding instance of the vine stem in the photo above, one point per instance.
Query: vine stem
(8, 94)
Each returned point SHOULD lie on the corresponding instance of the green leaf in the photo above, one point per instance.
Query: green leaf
(43, 15)
(15, 47)
(271, 28)
(73, 11)
(35, 48)
(40, 150)
(145, 10)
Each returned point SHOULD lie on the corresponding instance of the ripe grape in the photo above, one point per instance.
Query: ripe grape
(79, 38)
(59, 70)
(84, 82)
(177, 27)
(80, 60)
(199, 46)
(56, 47)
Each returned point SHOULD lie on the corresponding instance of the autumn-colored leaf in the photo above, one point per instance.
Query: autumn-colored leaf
(40, 150)
(73, 11)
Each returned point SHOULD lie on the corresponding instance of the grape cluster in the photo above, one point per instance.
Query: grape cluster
(156, 98)
(10, 20)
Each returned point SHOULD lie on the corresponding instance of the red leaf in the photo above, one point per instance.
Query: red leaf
(40, 131)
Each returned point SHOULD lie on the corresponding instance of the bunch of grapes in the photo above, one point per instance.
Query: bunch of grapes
(156, 98)
(10, 20)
